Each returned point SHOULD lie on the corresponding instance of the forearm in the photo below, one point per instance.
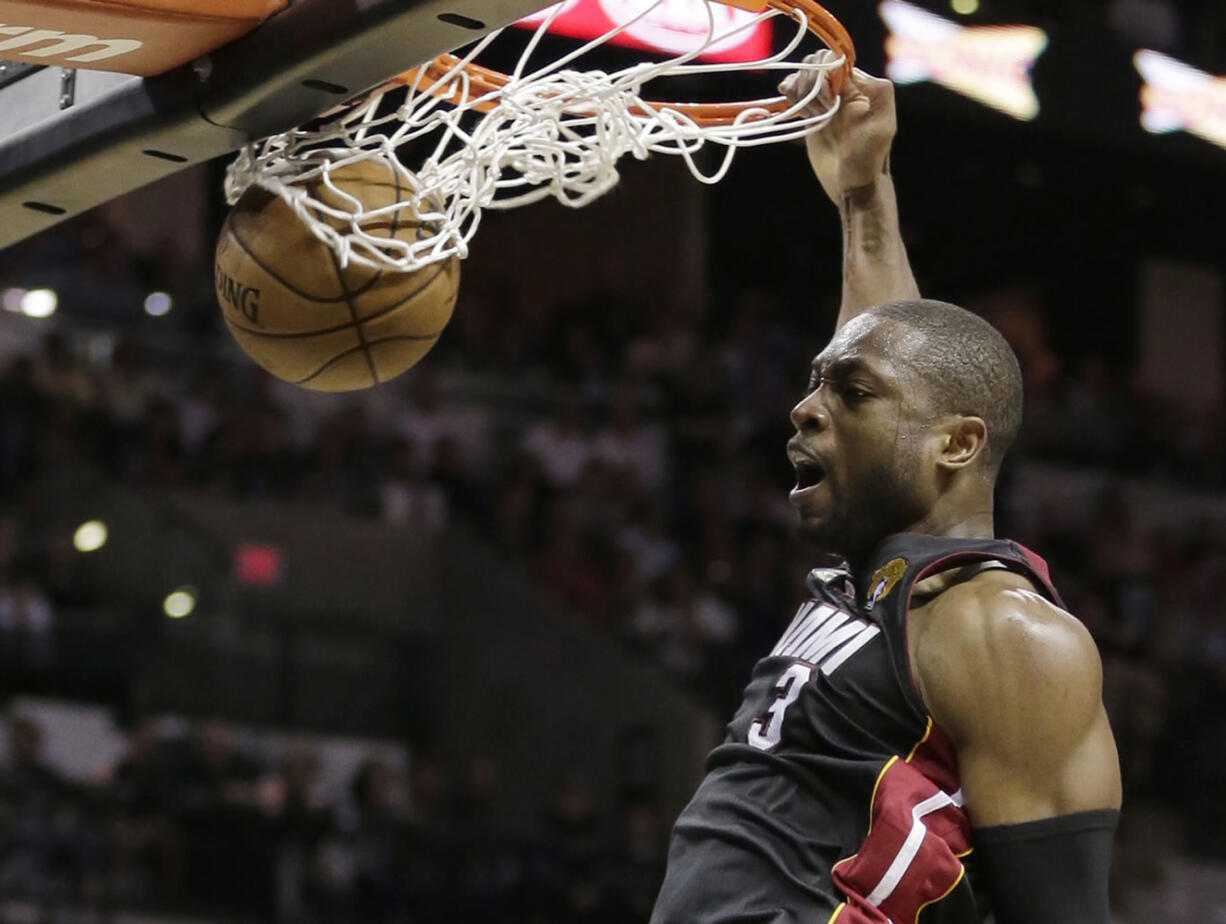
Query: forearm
(875, 265)
(1053, 871)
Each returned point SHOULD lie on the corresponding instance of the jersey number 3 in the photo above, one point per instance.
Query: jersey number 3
(767, 729)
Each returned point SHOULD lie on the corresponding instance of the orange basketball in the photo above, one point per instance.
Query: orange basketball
(306, 319)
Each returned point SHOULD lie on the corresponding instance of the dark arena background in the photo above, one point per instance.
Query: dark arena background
(453, 649)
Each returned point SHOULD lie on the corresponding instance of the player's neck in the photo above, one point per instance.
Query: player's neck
(963, 511)
(958, 524)
(963, 524)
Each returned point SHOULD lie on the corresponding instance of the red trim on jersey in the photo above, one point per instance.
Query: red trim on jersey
(1039, 565)
(917, 834)
(936, 758)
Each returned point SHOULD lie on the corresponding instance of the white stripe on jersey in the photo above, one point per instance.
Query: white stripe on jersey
(910, 847)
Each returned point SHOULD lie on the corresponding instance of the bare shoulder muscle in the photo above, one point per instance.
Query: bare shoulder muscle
(1017, 684)
(993, 651)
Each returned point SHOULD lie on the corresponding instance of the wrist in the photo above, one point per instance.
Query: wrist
(868, 196)
(869, 214)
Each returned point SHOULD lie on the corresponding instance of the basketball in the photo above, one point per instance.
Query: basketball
(299, 314)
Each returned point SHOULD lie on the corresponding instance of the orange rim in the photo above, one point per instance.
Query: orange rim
(484, 80)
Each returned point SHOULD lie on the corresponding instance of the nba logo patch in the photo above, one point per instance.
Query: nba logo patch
(884, 579)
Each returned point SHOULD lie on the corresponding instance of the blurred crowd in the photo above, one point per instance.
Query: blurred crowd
(194, 824)
(629, 456)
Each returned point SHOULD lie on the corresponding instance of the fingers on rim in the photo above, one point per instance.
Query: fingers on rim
(825, 94)
(801, 83)
(870, 85)
(821, 57)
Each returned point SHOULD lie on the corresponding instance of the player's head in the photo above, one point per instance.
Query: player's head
(908, 415)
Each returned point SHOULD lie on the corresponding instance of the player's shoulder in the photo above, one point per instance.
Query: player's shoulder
(1004, 610)
(994, 642)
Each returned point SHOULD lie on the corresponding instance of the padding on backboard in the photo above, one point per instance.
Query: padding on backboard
(143, 37)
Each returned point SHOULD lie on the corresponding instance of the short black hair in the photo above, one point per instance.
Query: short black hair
(968, 367)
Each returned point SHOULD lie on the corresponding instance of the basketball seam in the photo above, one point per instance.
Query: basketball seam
(437, 333)
(345, 294)
(339, 356)
(353, 313)
(382, 312)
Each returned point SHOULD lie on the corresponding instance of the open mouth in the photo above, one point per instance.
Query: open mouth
(808, 474)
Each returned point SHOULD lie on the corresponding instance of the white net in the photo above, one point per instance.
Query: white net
(554, 131)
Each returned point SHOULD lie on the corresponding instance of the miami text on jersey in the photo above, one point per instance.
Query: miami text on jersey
(824, 636)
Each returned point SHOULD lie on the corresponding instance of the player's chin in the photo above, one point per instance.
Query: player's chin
(819, 531)
(823, 518)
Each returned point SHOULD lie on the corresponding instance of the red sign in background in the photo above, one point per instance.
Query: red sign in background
(257, 563)
(673, 26)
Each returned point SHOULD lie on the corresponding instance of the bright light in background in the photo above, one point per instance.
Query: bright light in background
(39, 303)
(179, 603)
(11, 299)
(90, 536)
(989, 64)
(158, 304)
(674, 27)
(964, 7)
(1178, 97)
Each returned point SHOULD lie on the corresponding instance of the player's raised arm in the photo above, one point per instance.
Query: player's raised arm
(1016, 683)
(851, 157)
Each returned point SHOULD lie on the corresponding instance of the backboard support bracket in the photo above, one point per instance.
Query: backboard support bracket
(69, 143)
(68, 87)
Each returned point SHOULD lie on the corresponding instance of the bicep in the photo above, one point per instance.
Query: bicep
(1003, 785)
(1019, 687)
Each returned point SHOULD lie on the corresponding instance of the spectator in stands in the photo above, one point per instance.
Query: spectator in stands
(701, 410)
(304, 818)
(23, 413)
(27, 634)
(430, 865)
(629, 444)
(213, 791)
(687, 627)
(638, 863)
(49, 846)
(454, 469)
(572, 567)
(148, 858)
(201, 411)
(568, 873)
(59, 376)
(378, 842)
(125, 391)
(248, 457)
(558, 445)
(407, 496)
(429, 420)
(488, 868)
(649, 542)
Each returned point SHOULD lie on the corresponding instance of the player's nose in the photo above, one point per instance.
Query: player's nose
(809, 413)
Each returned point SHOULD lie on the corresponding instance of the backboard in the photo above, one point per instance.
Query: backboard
(71, 139)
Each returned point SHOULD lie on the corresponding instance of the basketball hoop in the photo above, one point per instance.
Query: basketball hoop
(501, 140)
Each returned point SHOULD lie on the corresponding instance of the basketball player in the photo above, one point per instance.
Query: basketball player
(927, 741)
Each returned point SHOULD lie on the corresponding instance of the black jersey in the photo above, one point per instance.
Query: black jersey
(834, 798)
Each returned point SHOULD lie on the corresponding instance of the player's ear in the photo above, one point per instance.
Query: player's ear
(962, 441)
